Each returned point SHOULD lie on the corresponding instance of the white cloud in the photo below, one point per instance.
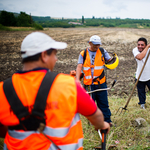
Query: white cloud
(78, 8)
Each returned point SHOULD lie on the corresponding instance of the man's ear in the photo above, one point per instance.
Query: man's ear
(90, 43)
(44, 56)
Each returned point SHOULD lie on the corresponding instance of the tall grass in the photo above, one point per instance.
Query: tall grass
(35, 27)
(4, 28)
(127, 136)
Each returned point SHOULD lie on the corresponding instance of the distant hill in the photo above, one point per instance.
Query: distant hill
(38, 18)
(49, 21)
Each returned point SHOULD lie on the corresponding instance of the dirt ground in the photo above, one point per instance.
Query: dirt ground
(118, 40)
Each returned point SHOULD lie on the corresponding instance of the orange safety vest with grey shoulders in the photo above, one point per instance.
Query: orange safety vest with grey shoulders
(98, 75)
(57, 109)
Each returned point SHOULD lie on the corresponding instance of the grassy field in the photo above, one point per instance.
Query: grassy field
(123, 133)
(4, 28)
(127, 136)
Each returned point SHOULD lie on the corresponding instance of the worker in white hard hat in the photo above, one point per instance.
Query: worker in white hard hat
(92, 61)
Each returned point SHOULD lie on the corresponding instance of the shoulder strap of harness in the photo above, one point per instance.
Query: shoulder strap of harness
(13, 99)
(102, 51)
(84, 56)
(40, 102)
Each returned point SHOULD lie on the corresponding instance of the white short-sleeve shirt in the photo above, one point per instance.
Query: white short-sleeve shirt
(145, 76)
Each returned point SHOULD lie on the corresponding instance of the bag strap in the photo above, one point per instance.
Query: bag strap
(40, 102)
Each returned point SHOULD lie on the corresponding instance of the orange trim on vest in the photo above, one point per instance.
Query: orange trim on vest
(60, 110)
(98, 68)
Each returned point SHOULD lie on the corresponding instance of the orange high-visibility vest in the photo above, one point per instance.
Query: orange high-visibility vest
(63, 124)
(98, 68)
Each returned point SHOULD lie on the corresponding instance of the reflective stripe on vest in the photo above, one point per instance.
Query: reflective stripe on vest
(95, 77)
(74, 146)
(88, 77)
(61, 132)
(98, 68)
(86, 68)
(57, 132)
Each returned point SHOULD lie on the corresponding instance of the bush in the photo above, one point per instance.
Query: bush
(38, 27)
(4, 28)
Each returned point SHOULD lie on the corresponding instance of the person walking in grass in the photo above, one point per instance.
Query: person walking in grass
(140, 53)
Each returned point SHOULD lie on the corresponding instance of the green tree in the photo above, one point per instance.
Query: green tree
(7, 19)
(24, 20)
(93, 17)
(82, 19)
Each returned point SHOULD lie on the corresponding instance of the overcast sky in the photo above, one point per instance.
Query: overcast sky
(135, 9)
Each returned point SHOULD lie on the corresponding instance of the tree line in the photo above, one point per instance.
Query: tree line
(25, 20)
(21, 20)
(129, 23)
(95, 22)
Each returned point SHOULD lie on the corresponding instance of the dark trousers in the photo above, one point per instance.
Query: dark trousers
(102, 100)
(141, 90)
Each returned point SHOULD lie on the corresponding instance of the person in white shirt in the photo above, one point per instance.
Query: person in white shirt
(140, 53)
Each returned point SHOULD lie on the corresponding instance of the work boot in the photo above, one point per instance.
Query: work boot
(143, 106)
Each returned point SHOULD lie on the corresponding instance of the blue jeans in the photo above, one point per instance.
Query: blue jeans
(141, 90)
(102, 101)
(5, 147)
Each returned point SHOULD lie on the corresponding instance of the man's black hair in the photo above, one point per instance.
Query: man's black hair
(35, 57)
(143, 39)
